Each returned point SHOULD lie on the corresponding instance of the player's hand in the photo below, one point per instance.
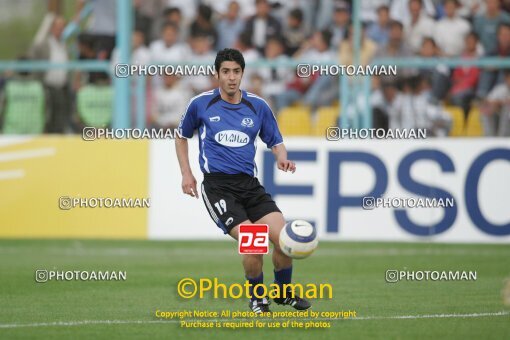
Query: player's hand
(189, 185)
(286, 165)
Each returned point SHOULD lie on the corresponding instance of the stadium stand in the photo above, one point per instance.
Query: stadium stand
(393, 28)
(457, 116)
(326, 116)
(295, 121)
(473, 124)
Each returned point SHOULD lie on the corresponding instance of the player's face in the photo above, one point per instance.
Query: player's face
(229, 77)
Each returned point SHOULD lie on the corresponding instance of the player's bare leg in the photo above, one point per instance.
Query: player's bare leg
(276, 222)
(252, 264)
(282, 263)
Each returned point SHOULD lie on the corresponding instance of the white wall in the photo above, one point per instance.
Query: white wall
(174, 215)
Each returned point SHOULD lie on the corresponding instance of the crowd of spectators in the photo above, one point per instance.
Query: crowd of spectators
(173, 31)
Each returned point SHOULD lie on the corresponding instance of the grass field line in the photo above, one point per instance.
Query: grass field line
(123, 322)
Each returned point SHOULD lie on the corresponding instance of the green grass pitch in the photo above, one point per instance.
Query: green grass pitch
(403, 310)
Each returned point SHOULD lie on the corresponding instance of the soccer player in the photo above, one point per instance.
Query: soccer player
(229, 121)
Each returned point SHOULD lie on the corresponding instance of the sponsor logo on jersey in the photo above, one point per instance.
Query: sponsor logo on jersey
(248, 122)
(232, 138)
(214, 119)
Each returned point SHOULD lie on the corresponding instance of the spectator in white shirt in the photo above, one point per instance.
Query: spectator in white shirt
(396, 47)
(428, 113)
(451, 31)
(169, 103)
(174, 15)
(201, 51)
(48, 45)
(102, 26)
(262, 25)
(399, 10)
(274, 78)
(229, 27)
(188, 9)
(246, 7)
(369, 9)
(379, 31)
(250, 54)
(388, 105)
(496, 112)
(410, 108)
(469, 8)
(294, 32)
(418, 27)
(313, 89)
(341, 22)
(140, 54)
(168, 49)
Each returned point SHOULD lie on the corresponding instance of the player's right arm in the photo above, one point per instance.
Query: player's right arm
(189, 123)
(189, 183)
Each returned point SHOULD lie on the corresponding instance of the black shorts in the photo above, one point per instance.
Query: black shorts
(232, 199)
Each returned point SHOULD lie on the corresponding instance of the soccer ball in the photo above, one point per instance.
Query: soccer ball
(298, 239)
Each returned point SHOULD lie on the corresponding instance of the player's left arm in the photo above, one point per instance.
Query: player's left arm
(270, 134)
(280, 154)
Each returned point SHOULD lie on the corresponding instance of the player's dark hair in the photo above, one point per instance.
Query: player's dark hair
(229, 54)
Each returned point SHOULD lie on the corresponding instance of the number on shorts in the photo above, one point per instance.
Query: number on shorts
(219, 205)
